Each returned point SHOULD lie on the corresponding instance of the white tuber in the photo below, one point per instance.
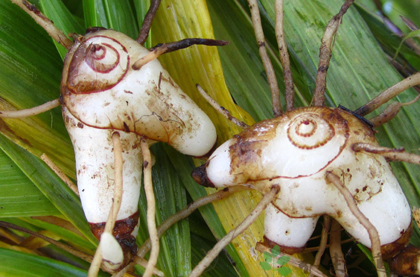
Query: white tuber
(296, 150)
(101, 93)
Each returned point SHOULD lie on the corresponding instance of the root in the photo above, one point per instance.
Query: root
(388, 94)
(390, 112)
(325, 55)
(312, 249)
(336, 253)
(147, 22)
(118, 190)
(259, 35)
(161, 49)
(32, 111)
(220, 109)
(151, 207)
(212, 254)
(60, 174)
(44, 22)
(293, 261)
(284, 56)
(324, 240)
(373, 233)
(149, 57)
(393, 154)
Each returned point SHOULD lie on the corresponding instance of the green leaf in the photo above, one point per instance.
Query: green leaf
(283, 260)
(220, 267)
(107, 14)
(66, 235)
(268, 257)
(14, 263)
(284, 271)
(275, 251)
(19, 196)
(265, 265)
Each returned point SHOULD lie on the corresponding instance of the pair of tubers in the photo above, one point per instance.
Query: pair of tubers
(101, 94)
(295, 150)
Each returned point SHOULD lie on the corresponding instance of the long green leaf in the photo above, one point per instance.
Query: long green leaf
(19, 196)
(111, 14)
(14, 263)
(65, 235)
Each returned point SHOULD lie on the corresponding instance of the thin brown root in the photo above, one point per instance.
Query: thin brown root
(44, 22)
(220, 109)
(116, 201)
(187, 211)
(60, 245)
(325, 55)
(393, 154)
(60, 174)
(259, 35)
(324, 239)
(284, 56)
(293, 261)
(388, 94)
(373, 233)
(147, 22)
(312, 249)
(161, 49)
(390, 112)
(32, 111)
(212, 254)
(151, 207)
(336, 253)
